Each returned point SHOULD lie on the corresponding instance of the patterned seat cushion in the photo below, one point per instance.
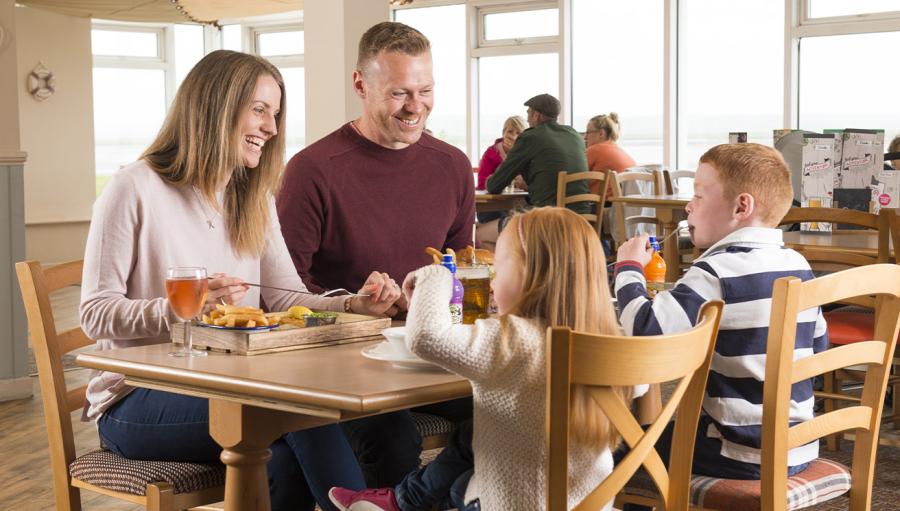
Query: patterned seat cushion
(431, 425)
(822, 480)
(109, 470)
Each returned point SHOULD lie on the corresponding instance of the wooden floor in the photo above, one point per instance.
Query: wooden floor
(25, 481)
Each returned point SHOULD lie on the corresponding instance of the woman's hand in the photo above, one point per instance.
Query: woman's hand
(519, 183)
(225, 290)
(381, 294)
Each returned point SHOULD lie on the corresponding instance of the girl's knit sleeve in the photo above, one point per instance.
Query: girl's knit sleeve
(471, 351)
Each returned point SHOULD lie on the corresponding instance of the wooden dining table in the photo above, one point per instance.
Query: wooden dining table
(669, 211)
(860, 242)
(253, 400)
(487, 202)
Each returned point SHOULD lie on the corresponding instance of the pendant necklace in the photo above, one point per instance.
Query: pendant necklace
(203, 204)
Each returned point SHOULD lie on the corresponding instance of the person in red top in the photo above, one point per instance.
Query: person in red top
(495, 154)
(602, 151)
(374, 194)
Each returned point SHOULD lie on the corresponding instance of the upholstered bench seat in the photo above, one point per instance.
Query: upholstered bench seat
(113, 472)
(432, 425)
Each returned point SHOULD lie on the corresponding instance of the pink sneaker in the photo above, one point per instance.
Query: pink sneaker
(381, 499)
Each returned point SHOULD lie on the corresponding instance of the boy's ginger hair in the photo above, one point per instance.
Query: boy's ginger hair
(564, 284)
(757, 170)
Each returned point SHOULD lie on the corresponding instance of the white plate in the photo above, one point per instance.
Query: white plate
(386, 353)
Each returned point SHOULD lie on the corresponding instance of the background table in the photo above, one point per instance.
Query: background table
(669, 211)
(253, 400)
(486, 202)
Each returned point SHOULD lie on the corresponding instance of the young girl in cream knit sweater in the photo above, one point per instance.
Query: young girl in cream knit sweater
(550, 270)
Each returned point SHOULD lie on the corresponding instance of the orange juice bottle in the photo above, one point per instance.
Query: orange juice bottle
(655, 271)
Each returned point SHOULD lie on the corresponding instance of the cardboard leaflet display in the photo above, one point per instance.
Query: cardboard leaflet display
(817, 178)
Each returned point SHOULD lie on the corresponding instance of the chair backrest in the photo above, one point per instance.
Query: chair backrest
(671, 177)
(621, 217)
(564, 178)
(49, 346)
(607, 361)
(791, 296)
(893, 221)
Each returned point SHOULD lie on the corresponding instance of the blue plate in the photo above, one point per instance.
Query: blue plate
(263, 328)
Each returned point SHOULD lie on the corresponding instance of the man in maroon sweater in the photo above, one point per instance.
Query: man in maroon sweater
(373, 195)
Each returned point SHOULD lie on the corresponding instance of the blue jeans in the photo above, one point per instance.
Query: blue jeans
(155, 425)
(388, 445)
(442, 482)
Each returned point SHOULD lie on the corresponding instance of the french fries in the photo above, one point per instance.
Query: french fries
(233, 316)
(463, 257)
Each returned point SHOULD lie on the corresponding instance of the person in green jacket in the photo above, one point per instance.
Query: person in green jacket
(539, 154)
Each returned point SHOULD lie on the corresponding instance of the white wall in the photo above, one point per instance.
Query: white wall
(57, 134)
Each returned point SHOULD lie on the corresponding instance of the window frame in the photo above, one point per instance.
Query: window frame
(531, 43)
(165, 43)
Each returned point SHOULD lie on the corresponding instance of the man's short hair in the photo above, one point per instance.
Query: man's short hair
(544, 104)
(755, 169)
(390, 36)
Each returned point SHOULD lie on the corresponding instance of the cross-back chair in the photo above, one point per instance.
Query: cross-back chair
(604, 362)
(562, 200)
(157, 485)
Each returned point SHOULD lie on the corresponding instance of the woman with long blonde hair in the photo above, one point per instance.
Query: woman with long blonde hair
(550, 271)
(202, 195)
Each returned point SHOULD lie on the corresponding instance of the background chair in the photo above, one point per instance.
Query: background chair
(672, 179)
(632, 182)
(603, 362)
(597, 200)
(156, 485)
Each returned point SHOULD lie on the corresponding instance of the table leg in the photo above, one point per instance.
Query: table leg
(245, 434)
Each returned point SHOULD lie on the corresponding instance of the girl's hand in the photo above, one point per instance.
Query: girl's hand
(382, 292)
(225, 290)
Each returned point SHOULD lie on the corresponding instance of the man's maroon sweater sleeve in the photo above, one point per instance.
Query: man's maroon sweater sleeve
(301, 204)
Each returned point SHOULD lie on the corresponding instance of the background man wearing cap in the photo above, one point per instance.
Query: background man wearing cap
(540, 152)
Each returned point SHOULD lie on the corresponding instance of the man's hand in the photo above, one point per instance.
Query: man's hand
(377, 296)
(635, 249)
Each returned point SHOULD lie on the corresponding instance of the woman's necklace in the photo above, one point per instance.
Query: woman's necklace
(203, 204)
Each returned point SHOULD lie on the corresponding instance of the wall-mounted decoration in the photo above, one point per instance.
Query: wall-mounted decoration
(41, 83)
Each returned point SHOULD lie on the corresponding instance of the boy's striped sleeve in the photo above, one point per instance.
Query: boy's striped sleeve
(671, 311)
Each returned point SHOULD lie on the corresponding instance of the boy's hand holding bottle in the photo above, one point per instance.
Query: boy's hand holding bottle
(636, 249)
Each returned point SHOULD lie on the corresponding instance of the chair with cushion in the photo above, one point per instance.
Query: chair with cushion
(603, 362)
(597, 200)
(823, 480)
(154, 484)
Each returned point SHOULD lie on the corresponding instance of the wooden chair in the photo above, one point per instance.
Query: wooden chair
(562, 200)
(622, 220)
(671, 177)
(846, 326)
(824, 479)
(156, 485)
(605, 361)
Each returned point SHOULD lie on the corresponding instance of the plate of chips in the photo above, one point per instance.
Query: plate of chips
(232, 317)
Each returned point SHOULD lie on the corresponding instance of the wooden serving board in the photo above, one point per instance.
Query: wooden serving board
(348, 328)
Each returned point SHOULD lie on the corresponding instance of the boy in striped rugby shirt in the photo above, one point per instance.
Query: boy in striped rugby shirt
(741, 191)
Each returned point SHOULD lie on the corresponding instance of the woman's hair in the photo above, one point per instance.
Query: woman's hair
(513, 122)
(894, 147)
(199, 143)
(606, 122)
(564, 283)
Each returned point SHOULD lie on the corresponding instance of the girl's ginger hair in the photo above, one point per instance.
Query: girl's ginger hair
(564, 283)
(199, 144)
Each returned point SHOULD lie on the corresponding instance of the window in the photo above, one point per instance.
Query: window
(617, 66)
(505, 83)
(520, 25)
(283, 46)
(445, 28)
(731, 73)
(832, 8)
(846, 82)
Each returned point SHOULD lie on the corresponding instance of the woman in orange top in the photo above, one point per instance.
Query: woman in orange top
(602, 151)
